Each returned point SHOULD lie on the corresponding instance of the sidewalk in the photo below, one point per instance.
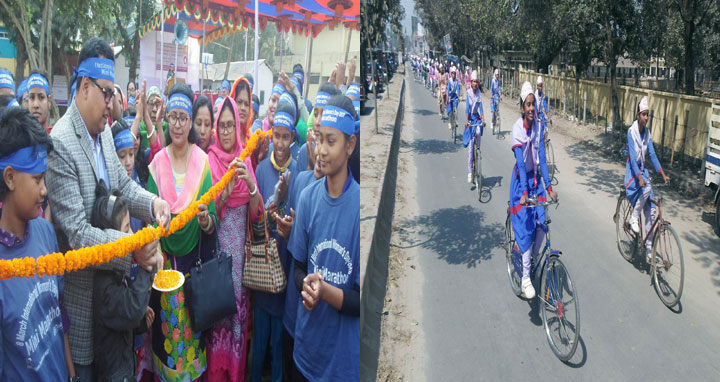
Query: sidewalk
(375, 149)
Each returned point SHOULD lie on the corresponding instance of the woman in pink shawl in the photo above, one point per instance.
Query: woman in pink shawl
(227, 344)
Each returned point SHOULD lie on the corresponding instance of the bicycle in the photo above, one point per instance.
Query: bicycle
(453, 122)
(557, 291)
(549, 152)
(477, 157)
(496, 117)
(666, 260)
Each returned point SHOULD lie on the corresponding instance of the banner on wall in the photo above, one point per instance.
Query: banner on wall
(168, 57)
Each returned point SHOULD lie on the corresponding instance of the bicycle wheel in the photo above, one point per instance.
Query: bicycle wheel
(454, 126)
(624, 235)
(560, 309)
(513, 275)
(668, 270)
(550, 158)
(478, 170)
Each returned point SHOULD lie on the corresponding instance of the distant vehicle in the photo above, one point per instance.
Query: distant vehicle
(712, 161)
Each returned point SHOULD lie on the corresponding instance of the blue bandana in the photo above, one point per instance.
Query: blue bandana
(339, 118)
(300, 75)
(218, 101)
(6, 80)
(251, 82)
(353, 91)
(21, 90)
(131, 101)
(37, 80)
(94, 67)
(225, 85)
(297, 83)
(322, 98)
(97, 68)
(287, 98)
(285, 120)
(356, 105)
(30, 160)
(123, 140)
(13, 102)
(129, 120)
(256, 107)
(278, 89)
(180, 101)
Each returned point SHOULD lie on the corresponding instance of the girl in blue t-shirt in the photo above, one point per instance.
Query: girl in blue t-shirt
(325, 244)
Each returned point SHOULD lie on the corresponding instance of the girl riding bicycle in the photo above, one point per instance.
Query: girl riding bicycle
(496, 95)
(442, 92)
(525, 182)
(476, 120)
(453, 91)
(637, 177)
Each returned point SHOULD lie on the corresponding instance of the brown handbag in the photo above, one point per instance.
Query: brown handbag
(263, 270)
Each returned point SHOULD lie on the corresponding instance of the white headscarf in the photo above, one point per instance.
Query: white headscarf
(525, 91)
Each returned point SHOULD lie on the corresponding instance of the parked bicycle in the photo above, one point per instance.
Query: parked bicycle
(666, 259)
(558, 296)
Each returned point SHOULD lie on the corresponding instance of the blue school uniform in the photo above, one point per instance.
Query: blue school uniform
(495, 89)
(453, 90)
(638, 145)
(31, 326)
(528, 147)
(474, 111)
(541, 107)
(292, 295)
(326, 236)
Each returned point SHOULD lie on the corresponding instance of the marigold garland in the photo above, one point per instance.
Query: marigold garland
(76, 259)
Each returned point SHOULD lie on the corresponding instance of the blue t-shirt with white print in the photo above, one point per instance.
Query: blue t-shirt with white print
(326, 236)
(292, 295)
(31, 328)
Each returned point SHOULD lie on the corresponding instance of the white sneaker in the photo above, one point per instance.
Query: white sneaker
(634, 224)
(470, 178)
(527, 289)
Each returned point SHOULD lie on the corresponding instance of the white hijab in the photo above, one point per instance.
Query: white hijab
(641, 142)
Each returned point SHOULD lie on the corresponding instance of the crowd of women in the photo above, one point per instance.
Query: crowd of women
(301, 186)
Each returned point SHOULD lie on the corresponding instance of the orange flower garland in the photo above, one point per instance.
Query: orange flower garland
(76, 259)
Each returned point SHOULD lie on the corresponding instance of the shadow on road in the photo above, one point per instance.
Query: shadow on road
(596, 179)
(424, 112)
(428, 146)
(457, 235)
(580, 352)
(706, 253)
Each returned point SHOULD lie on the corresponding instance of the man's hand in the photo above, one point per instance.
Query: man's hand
(641, 181)
(161, 212)
(145, 256)
(149, 316)
(351, 71)
(552, 194)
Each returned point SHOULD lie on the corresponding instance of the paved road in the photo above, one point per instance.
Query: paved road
(474, 327)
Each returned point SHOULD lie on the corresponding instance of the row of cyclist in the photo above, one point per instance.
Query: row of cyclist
(531, 165)
(530, 187)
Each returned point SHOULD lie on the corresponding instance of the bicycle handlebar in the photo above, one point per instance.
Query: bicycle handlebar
(533, 203)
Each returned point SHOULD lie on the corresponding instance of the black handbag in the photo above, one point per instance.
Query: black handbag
(209, 291)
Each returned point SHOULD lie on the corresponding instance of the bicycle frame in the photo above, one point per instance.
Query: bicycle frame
(658, 219)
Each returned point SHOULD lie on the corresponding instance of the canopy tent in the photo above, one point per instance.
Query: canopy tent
(211, 19)
(225, 16)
